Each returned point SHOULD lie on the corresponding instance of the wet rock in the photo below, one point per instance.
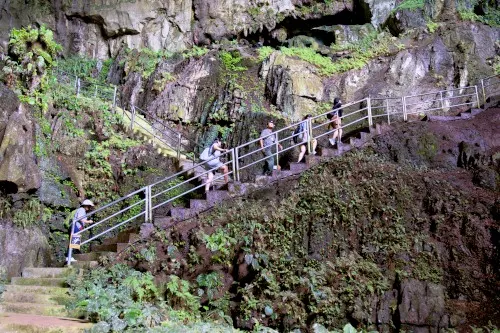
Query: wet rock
(422, 305)
(18, 168)
(26, 248)
(486, 177)
(345, 34)
(294, 85)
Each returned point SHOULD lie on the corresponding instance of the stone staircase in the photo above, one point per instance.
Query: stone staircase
(195, 207)
(234, 189)
(36, 302)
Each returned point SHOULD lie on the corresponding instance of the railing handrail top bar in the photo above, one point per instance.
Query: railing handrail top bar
(440, 91)
(116, 201)
(191, 168)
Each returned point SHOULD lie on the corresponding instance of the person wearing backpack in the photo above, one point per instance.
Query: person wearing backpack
(212, 156)
(335, 121)
(301, 134)
(76, 222)
(267, 141)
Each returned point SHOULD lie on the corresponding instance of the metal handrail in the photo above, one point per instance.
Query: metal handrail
(236, 161)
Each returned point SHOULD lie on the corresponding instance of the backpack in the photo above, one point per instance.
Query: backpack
(298, 134)
(336, 111)
(206, 154)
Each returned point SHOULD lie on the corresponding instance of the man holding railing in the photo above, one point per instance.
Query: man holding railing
(267, 141)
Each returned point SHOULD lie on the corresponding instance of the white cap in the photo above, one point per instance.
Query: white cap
(87, 202)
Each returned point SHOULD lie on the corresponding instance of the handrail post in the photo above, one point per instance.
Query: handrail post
(442, 101)
(70, 249)
(77, 86)
(236, 164)
(484, 92)
(95, 91)
(388, 113)
(369, 108)
(133, 118)
(179, 141)
(114, 99)
(309, 135)
(233, 162)
(146, 204)
(405, 116)
(277, 151)
(477, 98)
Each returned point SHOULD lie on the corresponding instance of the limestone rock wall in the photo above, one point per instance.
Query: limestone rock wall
(98, 28)
(18, 169)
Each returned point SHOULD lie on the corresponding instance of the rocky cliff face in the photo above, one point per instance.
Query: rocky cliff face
(99, 28)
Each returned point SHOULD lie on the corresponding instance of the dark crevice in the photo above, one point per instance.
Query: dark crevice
(310, 27)
(7, 187)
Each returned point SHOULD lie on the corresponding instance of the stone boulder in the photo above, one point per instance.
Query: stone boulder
(18, 169)
(25, 248)
(294, 85)
(422, 307)
(184, 98)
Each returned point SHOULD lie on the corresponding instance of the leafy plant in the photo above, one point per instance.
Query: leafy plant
(231, 61)
(32, 213)
(211, 282)
(410, 5)
(195, 52)
(265, 52)
(32, 52)
(123, 297)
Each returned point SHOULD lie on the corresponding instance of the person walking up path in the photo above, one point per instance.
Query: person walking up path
(336, 121)
(215, 163)
(78, 223)
(303, 136)
(267, 141)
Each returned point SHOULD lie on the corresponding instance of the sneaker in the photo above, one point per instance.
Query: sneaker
(313, 153)
(72, 259)
(332, 142)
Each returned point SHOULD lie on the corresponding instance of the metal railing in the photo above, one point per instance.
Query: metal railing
(356, 115)
(159, 130)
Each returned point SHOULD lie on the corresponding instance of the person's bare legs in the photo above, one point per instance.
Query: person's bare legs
(302, 153)
(210, 177)
(314, 144)
(224, 169)
(338, 130)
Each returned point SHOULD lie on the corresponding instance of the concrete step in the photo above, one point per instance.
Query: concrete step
(163, 222)
(33, 308)
(122, 237)
(328, 152)
(216, 196)
(44, 282)
(36, 290)
(29, 323)
(117, 247)
(199, 204)
(90, 256)
(364, 136)
(85, 264)
(298, 167)
(466, 115)
(312, 160)
(476, 111)
(44, 272)
(27, 297)
(181, 213)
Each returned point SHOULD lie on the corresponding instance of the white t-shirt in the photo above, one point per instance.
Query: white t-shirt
(80, 213)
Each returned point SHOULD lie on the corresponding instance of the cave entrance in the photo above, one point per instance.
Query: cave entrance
(311, 27)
